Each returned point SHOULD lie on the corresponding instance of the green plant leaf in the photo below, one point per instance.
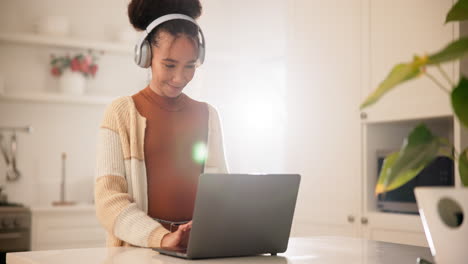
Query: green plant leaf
(388, 163)
(459, 12)
(446, 148)
(399, 74)
(463, 167)
(419, 149)
(460, 101)
(399, 181)
(454, 50)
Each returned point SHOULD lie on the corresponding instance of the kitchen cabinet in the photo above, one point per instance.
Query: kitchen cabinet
(388, 137)
(392, 33)
(323, 77)
(63, 227)
(338, 142)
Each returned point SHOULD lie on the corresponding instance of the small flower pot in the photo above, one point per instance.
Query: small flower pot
(443, 212)
(73, 83)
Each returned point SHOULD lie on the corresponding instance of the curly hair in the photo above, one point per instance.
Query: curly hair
(142, 12)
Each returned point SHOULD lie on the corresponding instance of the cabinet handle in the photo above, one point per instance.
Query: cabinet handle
(363, 115)
(350, 219)
(364, 220)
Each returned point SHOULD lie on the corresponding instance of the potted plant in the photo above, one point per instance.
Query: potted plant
(72, 71)
(442, 210)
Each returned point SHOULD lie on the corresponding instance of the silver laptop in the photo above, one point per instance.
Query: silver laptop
(240, 215)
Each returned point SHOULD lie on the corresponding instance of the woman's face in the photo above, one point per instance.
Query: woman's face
(173, 64)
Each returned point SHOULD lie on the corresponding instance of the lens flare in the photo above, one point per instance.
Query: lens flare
(199, 152)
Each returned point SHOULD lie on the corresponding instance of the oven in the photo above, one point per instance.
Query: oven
(15, 229)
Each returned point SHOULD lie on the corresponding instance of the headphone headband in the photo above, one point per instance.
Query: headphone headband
(138, 52)
(166, 18)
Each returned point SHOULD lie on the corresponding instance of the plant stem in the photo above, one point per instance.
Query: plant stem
(437, 83)
(445, 75)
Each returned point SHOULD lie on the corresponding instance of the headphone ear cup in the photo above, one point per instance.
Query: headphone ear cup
(201, 54)
(145, 55)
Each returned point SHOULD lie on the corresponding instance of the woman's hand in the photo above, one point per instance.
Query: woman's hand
(178, 238)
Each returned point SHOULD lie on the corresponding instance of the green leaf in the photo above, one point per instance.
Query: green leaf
(384, 172)
(455, 50)
(399, 74)
(399, 181)
(419, 149)
(463, 167)
(459, 12)
(460, 101)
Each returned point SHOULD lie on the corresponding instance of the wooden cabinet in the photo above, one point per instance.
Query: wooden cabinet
(66, 227)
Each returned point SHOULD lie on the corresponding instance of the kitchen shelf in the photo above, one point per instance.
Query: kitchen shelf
(56, 98)
(66, 42)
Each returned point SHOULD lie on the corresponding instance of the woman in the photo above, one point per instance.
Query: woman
(147, 170)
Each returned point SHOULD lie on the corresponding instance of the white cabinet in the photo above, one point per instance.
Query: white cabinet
(388, 137)
(393, 32)
(394, 228)
(385, 136)
(336, 57)
(322, 104)
(66, 227)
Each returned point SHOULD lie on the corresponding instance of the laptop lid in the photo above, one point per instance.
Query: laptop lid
(242, 214)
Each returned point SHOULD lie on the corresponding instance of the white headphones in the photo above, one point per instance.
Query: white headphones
(143, 47)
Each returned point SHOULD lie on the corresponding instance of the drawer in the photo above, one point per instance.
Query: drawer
(59, 230)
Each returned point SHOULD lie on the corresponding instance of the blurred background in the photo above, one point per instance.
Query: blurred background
(287, 77)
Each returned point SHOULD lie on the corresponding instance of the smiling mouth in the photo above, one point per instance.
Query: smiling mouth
(175, 87)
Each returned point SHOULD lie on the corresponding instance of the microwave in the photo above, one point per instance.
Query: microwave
(440, 172)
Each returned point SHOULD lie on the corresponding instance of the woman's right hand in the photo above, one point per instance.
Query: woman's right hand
(178, 238)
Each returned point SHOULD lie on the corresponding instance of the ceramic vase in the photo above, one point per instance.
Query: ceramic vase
(443, 212)
(73, 83)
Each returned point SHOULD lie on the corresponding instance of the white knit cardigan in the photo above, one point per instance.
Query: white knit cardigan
(121, 185)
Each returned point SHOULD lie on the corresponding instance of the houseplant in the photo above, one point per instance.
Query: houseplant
(440, 209)
(72, 71)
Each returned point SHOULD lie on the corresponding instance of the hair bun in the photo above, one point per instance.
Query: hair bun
(142, 12)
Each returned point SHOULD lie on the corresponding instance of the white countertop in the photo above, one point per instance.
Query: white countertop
(323, 250)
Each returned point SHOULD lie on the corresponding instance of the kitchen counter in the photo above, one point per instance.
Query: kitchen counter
(323, 250)
(66, 227)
